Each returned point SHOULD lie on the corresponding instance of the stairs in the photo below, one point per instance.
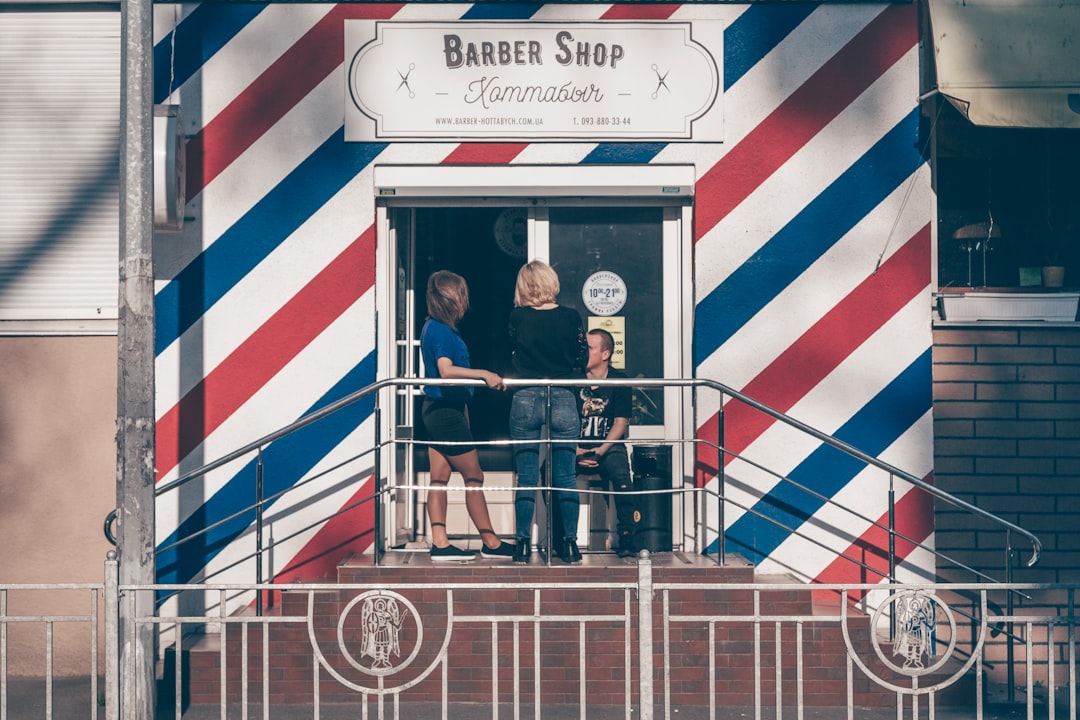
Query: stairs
(586, 611)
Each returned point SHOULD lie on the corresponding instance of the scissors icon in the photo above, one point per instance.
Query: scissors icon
(661, 82)
(405, 80)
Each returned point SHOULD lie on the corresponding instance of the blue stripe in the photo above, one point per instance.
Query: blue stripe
(623, 153)
(201, 34)
(873, 429)
(811, 233)
(286, 462)
(756, 32)
(501, 11)
(258, 233)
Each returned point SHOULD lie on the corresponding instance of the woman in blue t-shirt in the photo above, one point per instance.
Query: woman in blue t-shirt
(446, 418)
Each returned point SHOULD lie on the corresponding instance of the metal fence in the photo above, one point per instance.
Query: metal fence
(48, 634)
(568, 647)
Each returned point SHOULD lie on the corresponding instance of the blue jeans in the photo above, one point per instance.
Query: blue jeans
(528, 412)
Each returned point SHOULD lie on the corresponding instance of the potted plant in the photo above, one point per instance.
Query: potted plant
(1053, 276)
(1053, 268)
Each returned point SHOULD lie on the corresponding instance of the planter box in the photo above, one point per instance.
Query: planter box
(1052, 307)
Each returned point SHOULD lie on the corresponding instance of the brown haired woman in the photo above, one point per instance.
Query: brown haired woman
(446, 419)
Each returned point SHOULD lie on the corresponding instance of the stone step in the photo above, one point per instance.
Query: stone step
(603, 586)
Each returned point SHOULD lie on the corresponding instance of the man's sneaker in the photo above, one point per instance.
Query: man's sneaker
(625, 551)
(505, 551)
(570, 553)
(451, 553)
(521, 552)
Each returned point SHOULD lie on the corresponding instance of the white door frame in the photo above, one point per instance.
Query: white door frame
(537, 187)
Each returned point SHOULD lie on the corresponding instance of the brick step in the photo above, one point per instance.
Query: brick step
(470, 674)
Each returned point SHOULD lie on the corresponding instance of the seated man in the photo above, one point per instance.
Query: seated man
(605, 418)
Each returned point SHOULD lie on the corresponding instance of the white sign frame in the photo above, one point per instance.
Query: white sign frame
(534, 81)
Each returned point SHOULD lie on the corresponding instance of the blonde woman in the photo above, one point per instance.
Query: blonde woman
(548, 342)
(446, 418)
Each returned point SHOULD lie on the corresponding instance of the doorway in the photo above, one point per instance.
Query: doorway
(621, 262)
(485, 245)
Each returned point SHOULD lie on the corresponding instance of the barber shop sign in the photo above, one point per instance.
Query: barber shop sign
(535, 81)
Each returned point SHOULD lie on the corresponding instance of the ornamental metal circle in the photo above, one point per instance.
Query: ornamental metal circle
(916, 621)
(383, 613)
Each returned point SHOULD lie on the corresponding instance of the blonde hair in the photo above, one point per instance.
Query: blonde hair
(447, 297)
(537, 284)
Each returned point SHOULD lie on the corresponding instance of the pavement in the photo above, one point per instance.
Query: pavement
(73, 698)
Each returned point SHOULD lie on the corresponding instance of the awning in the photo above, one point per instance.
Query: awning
(1009, 63)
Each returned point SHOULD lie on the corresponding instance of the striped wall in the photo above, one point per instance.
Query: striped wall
(811, 269)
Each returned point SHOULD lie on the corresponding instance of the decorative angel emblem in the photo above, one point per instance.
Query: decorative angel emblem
(916, 619)
(381, 620)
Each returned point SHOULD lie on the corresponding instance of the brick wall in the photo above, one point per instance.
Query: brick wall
(1007, 439)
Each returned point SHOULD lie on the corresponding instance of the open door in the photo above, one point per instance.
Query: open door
(634, 251)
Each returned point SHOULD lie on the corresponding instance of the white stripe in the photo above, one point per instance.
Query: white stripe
(765, 87)
(825, 284)
(579, 12)
(808, 173)
(233, 68)
(697, 11)
(249, 178)
(831, 403)
(277, 279)
(288, 395)
(554, 153)
(265, 290)
(310, 503)
(430, 12)
(867, 494)
(166, 17)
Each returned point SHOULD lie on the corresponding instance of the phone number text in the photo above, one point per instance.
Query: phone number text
(601, 121)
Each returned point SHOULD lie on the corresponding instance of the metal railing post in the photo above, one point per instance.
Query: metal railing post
(376, 477)
(545, 436)
(645, 636)
(721, 544)
(112, 640)
(892, 528)
(1010, 652)
(892, 558)
(259, 531)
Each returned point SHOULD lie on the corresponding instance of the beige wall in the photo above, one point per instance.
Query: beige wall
(57, 483)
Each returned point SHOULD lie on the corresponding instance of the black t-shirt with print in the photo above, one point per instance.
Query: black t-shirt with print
(599, 407)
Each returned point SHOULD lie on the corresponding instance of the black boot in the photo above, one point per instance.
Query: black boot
(570, 553)
(522, 552)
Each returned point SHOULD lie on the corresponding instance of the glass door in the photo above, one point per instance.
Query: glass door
(622, 265)
(618, 266)
(611, 269)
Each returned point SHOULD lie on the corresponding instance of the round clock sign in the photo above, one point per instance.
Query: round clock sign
(604, 293)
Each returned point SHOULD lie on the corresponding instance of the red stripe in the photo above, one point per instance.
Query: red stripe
(484, 153)
(914, 520)
(809, 109)
(349, 532)
(821, 349)
(265, 352)
(640, 12)
(277, 91)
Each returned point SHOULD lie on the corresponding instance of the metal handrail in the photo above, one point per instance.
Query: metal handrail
(262, 442)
